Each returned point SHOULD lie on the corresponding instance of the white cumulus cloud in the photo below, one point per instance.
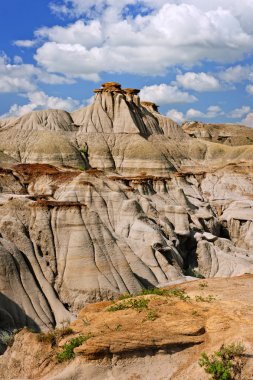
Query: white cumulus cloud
(238, 113)
(25, 43)
(212, 112)
(166, 94)
(87, 35)
(249, 89)
(248, 120)
(174, 33)
(22, 78)
(39, 100)
(237, 73)
(198, 81)
(195, 114)
(176, 115)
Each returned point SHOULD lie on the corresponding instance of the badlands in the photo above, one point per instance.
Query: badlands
(112, 199)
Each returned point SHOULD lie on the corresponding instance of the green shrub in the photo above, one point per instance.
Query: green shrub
(152, 315)
(193, 273)
(54, 336)
(7, 337)
(208, 298)
(67, 352)
(118, 306)
(83, 150)
(125, 296)
(203, 285)
(224, 364)
(139, 303)
(179, 293)
(136, 303)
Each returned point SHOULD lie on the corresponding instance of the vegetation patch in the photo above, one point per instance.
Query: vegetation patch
(131, 301)
(208, 298)
(203, 285)
(193, 273)
(54, 336)
(225, 364)
(152, 315)
(7, 337)
(180, 293)
(136, 303)
(67, 352)
(125, 296)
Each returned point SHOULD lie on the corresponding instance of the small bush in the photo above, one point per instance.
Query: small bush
(180, 293)
(54, 336)
(67, 352)
(118, 306)
(152, 315)
(224, 364)
(7, 338)
(203, 285)
(130, 301)
(208, 299)
(136, 303)
(139, 303)
(83, 150)
(125, 296)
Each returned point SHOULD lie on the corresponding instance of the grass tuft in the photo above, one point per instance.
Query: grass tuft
(136, 303)
(207, 299)
(54, 336)
(67, 352)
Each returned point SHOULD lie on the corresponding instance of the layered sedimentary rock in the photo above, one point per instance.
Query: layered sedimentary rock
(228, 134)
(163, 339)
(112, 198)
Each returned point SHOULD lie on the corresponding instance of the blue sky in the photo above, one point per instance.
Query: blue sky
(192, 58)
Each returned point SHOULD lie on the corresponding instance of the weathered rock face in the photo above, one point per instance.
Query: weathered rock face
(110, 199)
(228, 134)
(163, 339)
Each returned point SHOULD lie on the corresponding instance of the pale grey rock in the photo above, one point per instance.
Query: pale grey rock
(132, 201)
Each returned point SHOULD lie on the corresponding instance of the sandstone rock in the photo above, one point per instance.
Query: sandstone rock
(162, 340)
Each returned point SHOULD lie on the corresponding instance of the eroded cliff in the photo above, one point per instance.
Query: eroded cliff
(110, 199)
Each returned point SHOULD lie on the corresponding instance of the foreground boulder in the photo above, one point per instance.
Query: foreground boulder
(149, 336)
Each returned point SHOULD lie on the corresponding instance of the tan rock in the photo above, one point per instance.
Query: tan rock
(163, 340)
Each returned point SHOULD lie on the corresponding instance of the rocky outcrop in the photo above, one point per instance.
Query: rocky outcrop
(228, 134)
(144, 337)
(113, 198)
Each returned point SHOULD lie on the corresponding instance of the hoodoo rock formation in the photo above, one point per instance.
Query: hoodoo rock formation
(113, 198)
